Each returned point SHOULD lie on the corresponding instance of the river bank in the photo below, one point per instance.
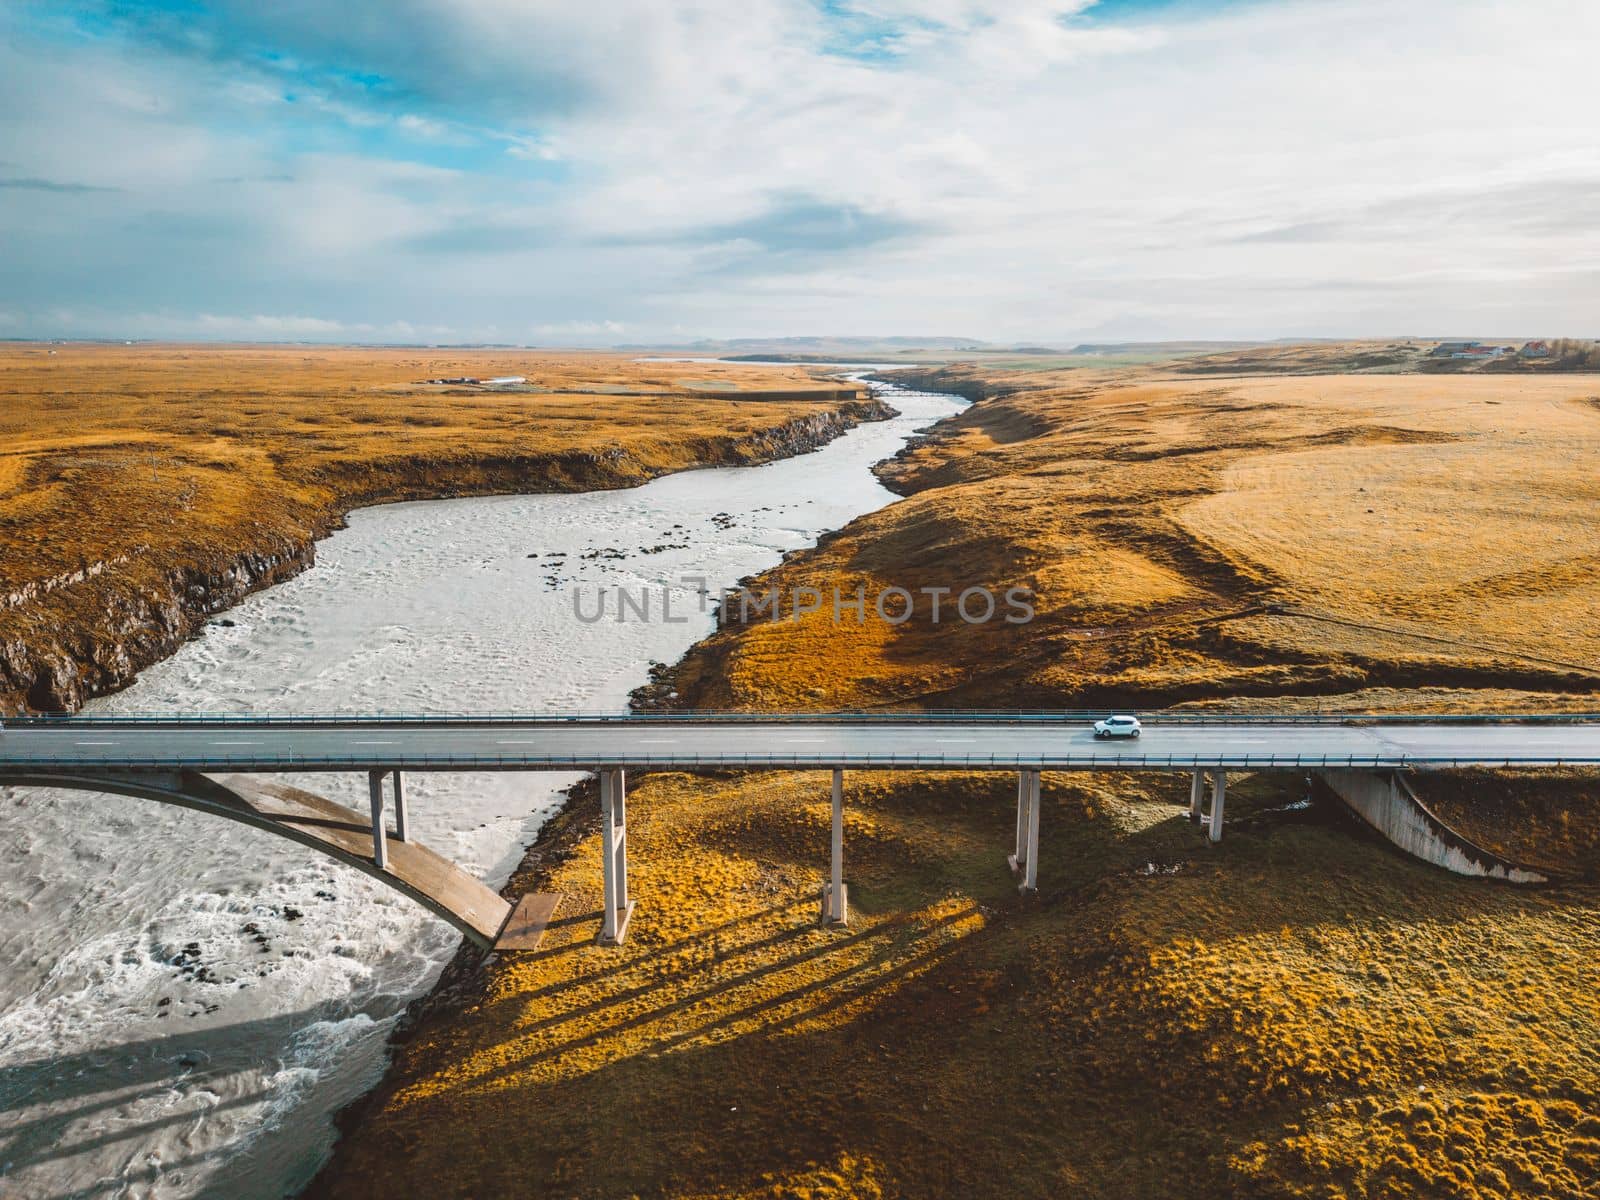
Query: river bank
(188, 1002)
(144, 491)
(1165, 1017)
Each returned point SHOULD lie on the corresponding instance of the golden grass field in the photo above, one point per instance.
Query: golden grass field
(1165, 1019)
(153, 469)
(1301, 539)
(1297, 1012)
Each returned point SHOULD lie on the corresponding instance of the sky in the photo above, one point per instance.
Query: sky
(550, 172)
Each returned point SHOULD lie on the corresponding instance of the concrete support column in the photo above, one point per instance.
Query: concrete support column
(835, 898)
(1019, 857)
(1197, 791)
(1030, 869)
(401, 826)
(619, 844)
(380, 846)
(614, 858)
(1027, 825)
(1219, 797)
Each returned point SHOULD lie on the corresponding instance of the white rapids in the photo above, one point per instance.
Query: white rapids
(184, 1002)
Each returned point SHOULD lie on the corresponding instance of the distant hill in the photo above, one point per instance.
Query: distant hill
(1172, 348)
(843, 349)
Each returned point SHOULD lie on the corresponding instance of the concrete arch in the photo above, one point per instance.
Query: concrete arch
(1385, 800)
(342, 834)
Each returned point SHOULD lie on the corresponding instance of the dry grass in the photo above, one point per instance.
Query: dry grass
(1461, 509)
(101, 443)
(1165, 1019)
(149, 464)
(1188, 540)
(1297, 1012)
(1547, 818)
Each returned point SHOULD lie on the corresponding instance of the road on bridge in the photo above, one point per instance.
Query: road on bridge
(866, 743)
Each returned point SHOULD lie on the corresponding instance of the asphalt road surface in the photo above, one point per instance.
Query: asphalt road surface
(876, 743)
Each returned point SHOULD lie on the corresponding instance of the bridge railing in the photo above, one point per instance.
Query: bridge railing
(11, 765)
(872, 716)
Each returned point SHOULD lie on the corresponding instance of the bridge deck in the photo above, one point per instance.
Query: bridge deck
(163, 759)
(868, 743)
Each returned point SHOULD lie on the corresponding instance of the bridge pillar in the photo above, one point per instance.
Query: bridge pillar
(1219, 796)
(400, 824)
(1019, 857)
(1025, 862)
(1030, 873)
(614, 857)
(380, 846)
(1197, 791)
(835, 896)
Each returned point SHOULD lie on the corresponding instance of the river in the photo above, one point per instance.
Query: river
(186, 1002)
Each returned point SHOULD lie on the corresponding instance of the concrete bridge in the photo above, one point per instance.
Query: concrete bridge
(175, 760)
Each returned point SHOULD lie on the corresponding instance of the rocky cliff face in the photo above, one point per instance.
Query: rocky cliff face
(66, 639)
(49, 663)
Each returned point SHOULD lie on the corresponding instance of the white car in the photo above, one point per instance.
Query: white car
(1120, 726)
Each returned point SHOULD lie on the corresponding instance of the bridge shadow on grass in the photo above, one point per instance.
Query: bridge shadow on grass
(946, 1043)
(914, 1069)
(847, 966)
(590, 921)
(694, 1082)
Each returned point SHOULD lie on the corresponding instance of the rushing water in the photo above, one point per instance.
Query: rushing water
(185, 1002)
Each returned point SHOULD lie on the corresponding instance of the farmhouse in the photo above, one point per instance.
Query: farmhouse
(1466, 350)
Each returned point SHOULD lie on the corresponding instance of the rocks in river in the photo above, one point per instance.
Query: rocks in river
(187, 963)
(291, 913)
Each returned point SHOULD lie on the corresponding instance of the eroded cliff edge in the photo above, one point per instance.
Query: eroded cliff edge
(86, 631)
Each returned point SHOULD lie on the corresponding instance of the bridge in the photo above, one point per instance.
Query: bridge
(176, 760)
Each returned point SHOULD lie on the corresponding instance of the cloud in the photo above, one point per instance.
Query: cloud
(785, 223)
(1304, 231)
(262, 326)
(257, 327)
(52, 185)
(479, 234)
(1030, 169)
(585, 329)
(800, 221)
